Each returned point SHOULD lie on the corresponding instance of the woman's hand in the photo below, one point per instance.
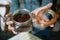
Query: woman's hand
(43, 16)
(42, 9)
(10, 24)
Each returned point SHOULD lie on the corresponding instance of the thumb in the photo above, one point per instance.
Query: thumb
(47, 6)
(9, 22)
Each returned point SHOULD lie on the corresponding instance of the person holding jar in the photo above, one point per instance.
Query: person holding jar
(34, 6)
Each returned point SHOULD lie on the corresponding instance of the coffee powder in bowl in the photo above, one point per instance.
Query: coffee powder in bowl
(21, 17)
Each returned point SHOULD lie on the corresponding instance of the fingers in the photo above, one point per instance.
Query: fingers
(34, 11)
(12, 29)
(7, 15)
(9, 27)
(9, 22)
(34, 20)
(42, 9)
(47, 6)
(44, 17)
(14, 32)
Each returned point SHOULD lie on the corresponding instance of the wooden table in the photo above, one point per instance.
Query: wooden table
(24, 36)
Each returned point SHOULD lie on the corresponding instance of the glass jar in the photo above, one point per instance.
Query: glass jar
(22, 20)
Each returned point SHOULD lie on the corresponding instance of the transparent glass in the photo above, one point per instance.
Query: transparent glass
(22, 20)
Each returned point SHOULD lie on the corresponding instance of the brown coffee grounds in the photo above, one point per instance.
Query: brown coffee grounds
(21, 17)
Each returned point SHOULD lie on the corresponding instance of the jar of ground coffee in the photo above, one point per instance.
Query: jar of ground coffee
(22, 20)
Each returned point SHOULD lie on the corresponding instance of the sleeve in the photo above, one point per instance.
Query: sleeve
(13, 6)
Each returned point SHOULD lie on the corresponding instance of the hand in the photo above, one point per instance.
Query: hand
(10, 25)
(42, 9)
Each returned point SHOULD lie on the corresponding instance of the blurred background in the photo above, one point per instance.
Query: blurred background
(54, 35)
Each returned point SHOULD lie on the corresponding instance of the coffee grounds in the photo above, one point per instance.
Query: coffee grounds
(21, 17)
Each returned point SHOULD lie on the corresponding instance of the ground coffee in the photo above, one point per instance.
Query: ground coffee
(21, 17)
